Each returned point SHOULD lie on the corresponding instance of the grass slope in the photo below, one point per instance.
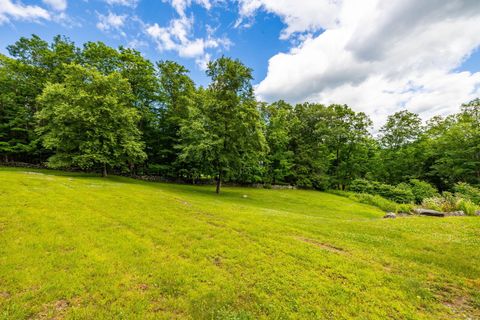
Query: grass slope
(84, 247)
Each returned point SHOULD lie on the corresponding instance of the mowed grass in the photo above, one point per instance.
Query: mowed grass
(79, 246)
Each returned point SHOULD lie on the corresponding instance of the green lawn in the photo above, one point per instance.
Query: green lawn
(83, 247)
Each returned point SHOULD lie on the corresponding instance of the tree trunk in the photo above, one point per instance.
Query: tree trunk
(104, 171)
(219, 182)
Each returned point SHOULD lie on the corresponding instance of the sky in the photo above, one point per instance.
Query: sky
(377, 56)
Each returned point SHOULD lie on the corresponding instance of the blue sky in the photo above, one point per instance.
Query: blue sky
(378, 56)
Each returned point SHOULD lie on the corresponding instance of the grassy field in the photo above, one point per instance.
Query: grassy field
(83, 247)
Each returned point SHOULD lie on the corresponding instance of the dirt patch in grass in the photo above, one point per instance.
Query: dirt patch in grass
(462, 306)
(217, 261)
(56, 309)
(143, 287)
(459, 302)
(53, 310)
(322, 245)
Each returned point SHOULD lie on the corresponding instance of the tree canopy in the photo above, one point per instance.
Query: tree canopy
(100, 108)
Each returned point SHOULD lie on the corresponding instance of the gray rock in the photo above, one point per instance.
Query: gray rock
(456, 213)
(389, 215)
(428, 212)
(477, 213)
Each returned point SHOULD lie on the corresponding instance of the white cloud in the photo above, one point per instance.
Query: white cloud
(181, 5)
(299, 16)
(177, 35)
(126, 3)
(15, 10)
(111, 22)
(379, 56)
(58, 5)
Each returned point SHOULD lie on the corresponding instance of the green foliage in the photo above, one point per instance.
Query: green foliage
(467, 206)
(224, 132)
(89, 121)
(362, 186)
(402, 128)
(177, 98)
(402, 193)
(449, 202)
(467, 191)
(376, 201)
(422, 190)
(278, 117)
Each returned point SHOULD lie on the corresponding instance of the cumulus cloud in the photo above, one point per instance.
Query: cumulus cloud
(299, 16)
(177, 35)
(58, 5)
(379, 56)
(111, 22)
(15, 10)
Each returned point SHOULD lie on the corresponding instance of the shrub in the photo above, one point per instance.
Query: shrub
(400, 193)
(434, 203)
(361, 186)
(449, 202)
(375, 200)
(466, 206)
(422, 190)
(467, 191)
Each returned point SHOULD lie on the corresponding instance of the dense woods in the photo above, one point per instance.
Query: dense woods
(104, 109)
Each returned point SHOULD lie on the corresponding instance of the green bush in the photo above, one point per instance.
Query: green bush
(422, 190)
(466, 206)
(375, 200)
(434, 203)
(467, 191)
(361, 186)
(400, 193)
(449, 202)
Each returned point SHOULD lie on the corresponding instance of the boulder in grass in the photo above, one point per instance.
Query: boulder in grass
(456, 213)
(390, 215)
(477, 213)
(428, 212)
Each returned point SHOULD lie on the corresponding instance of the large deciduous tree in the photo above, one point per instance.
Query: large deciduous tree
(226, 131)
(176, 96)
(278, 118)
(89, 122)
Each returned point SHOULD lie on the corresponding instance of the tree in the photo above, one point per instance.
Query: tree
(176, 96)
(278, 118)
(401, 153)
(454, 147)
(401, 128)
(346, 135)
(311, 155)
(226, 129)
(89, 122)
(140, 73)
(34, 62)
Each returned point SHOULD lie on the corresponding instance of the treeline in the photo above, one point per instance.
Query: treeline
(105, 109)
